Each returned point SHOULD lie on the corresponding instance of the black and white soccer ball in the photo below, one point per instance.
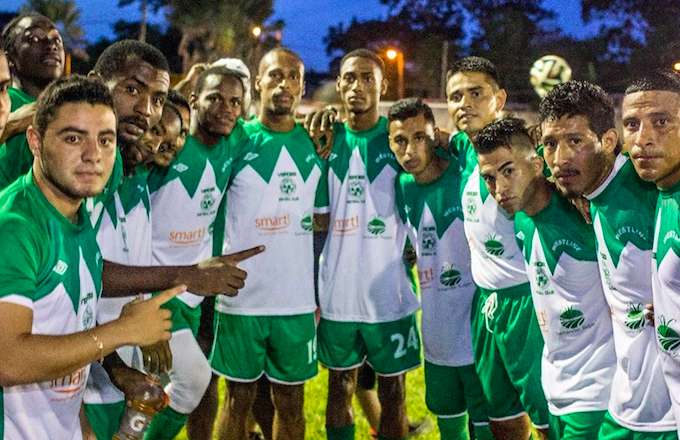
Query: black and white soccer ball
(548, 72)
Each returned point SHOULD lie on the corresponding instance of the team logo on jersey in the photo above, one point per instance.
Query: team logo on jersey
(187, 238)
(273, 224)
(355, 189)
(450, 277)
(60, 268)
(343, 226)
(207, 202)
(541, 275)
(307, 223)
(180, 167)
(669, 338)
(635, 316)
(428, 242)
(287, 186)
(493, 246)
(571, 318)
(376, 226)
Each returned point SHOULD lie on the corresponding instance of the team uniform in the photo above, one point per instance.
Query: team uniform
(578, 356)
(15, 156)
(269, 328)
(434, 215)
(366, 298)
(622, 209)
(506, 338)
(53, 267)
(666, 284)
(184, 200)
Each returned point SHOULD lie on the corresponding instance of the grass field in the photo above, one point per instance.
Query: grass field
(315, 407)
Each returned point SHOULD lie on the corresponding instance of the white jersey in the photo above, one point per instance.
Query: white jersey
(185, 198)
(622, 209)
(497, 261)
(52, 267)
(361, 273)
(271, 202)
(578, 356)
(446, 286)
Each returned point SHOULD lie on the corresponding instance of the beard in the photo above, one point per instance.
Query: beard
(54, 180)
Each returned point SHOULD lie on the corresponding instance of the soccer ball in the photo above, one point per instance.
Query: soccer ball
(548, 72)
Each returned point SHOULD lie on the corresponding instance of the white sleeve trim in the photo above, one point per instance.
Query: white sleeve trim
(19, 300)
(322, 210)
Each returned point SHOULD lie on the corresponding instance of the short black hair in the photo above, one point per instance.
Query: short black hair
(282, 49)
(475, 64)
(364, 53)
(579, 98)
(501, 133)
(221, 71)
(65, 90)
(113, 59)
(410, 108)
(658, 80)
(9, 34)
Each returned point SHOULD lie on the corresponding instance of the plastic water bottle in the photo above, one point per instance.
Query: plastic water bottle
(147, 399)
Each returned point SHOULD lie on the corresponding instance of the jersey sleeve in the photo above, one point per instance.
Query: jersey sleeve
(321, 202)
(20, 254)
(399, 198)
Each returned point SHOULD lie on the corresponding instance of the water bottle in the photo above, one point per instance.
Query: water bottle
(147, 399)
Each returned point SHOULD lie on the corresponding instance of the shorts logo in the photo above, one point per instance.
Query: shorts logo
(60, 268)
(493, 246)
(376, 226)
(307, 223)
(489, 310)
(449, 277)
(187, 238)
(355, 189)
(668, 338)
(273, 224)
(346, 225)
(635, 317)
(571, 318)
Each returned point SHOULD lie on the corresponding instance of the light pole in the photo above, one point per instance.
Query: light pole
(398, 56)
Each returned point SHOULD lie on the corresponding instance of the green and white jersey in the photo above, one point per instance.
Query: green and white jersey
(185, 198)
(434, 214)
(15, 156)
(561, 260)
(52, 267)
(361, 273)
(497, 261)
(272, 197)
(623, 209)
(124, 235)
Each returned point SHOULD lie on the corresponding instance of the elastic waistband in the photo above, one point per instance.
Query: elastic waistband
(517, 291)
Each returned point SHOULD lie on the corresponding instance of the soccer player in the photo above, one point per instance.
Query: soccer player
(169, 148)
(506, 338)
(5, 81)
(651, 133)
(581, 149)
(366, 300)
(184, 201)
(52, 269)
(427, 198)
(561, 261)
(270, 328)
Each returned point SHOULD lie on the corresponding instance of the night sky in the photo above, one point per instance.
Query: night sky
(307, 21)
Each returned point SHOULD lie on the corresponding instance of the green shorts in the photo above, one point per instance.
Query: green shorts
(183, 316)
(104, 418)
(576, 426)
(611, 430)
(454, 391)
(508, 345)
(390, 348)
(281, 347)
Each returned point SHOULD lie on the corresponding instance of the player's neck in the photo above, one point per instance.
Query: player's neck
(203, 136)
(65, 204)
(670, 180)
(274, 122)
(364, 120)
(541, 197)
(30, 87)
(432, 171)
(607, 168)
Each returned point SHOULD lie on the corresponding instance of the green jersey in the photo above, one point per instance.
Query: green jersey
(52, 267)
(15, 156)
(561, 260)
(273, 194)
(666, 284)
(435, 219)
(185, 198)
(622, 209)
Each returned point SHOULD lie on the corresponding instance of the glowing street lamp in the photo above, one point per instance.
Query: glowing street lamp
(398, 56)
(257, 31)
(676, 66)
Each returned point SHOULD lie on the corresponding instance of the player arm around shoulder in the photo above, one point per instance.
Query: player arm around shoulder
(141, 323)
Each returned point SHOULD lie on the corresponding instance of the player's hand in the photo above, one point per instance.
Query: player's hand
(442, 140)
(319, 125)
(18, 121)
(583, 206)
(126, 379)
(221, 275)
(145, 321)
(410, 257)
(196, 70)
(157, 358)
(649, 313)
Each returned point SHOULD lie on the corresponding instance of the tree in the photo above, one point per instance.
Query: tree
(66, 16)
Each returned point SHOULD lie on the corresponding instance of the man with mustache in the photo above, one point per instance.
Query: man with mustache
(506, 337)
(651, 133)
(581, 148)
(196, 181)
(270, 328)
(35, 51)
(560, 255)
